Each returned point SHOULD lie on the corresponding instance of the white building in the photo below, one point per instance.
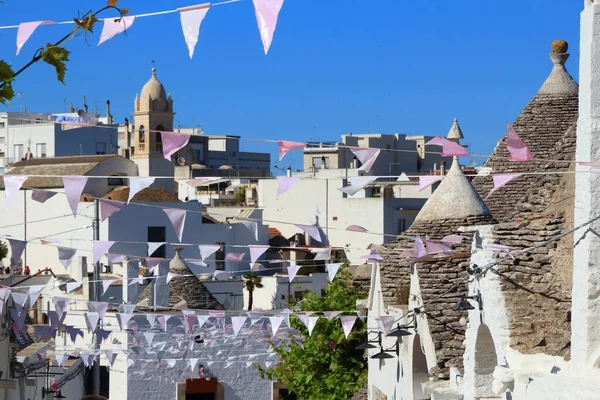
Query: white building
(133, 226)
(39, 136)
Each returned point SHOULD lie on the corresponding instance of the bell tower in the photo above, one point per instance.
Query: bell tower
(153, 114)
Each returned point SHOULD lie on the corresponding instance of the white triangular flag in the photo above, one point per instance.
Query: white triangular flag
(403, 178)
(275, 323)
(292, 271)
(177, 218)
(385, 323)
(191, 19)
(113, 26)
(332, 270)
(153, 246)
(312, 321)
(12, 185)
(237, 323)
(137, 184)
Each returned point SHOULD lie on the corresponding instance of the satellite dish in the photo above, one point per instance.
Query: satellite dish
(81, 113)
(181, 161)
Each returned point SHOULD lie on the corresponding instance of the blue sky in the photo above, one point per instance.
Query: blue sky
(335, 66)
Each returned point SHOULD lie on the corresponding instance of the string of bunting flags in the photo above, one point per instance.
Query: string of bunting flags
(191, 18)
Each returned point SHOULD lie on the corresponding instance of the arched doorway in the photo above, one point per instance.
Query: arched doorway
(485, 363)
(420, 371)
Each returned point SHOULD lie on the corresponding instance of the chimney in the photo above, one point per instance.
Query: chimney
(289, 172)
(109, 119)
(131, 270)
(85, 107)
(71, 108)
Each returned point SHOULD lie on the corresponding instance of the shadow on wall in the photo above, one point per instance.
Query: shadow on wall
(485, 362)
(419, 370)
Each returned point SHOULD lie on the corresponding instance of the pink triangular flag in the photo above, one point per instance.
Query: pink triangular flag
(275, 324)
(137, 184)
(237, 323)
(285, 183)
(109, 207)
(372, 256)
(65, 256)
(99, 307)
(16, 248)
(41, 196)
(312, 231)
(285, 146)
(449, 148)
(366, 156)
(420, 250)
(256, 251)
(428, 180)
(115, 258)
(252, 225)
(191, 19)
(453, 239)
(234, 257)
(207, 250)
(12, 185)
(113, 26)
(124, 320)
(437, 248)
(267, 12)
(91, 319)
(331, 314)
(385, 323)
(356, 228)
(501, 180)
(177, 218)
(172, 142)
(292, 271)
(99, 249)
(312, 321)
(332, 270)
(74, 186)
(347, 324)
(106, 284)
(515, 146)
(190, 321)
(357, 184)
(25, 31)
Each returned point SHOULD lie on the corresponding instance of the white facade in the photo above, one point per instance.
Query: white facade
(20, 132)
(276, 290)
(318, 201)
(54, 219)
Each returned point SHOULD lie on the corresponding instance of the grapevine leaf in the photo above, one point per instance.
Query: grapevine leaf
(57, 57)
(112, 3)
(6, 77)
(86, 23)
(124, 11)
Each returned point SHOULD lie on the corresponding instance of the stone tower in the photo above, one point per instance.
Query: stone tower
(153, 112)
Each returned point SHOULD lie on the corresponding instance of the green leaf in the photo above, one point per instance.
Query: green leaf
(86, 23)
(6, 77)
(57, 57)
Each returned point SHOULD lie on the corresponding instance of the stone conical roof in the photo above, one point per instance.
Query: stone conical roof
(559, 81)
(154, 91)
(188, 288)
(455, 132)
(454, 198)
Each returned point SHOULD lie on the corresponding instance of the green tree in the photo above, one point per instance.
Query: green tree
(252, 281)
(53, 53)
(328, 367)
(240, 195)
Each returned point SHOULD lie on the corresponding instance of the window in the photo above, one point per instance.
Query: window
(40, 150)
(157, 234)
(159, 138)
(220, 256)
(401, 225)
(18, 155)
(100, 148)
(2, 140)
(142, 134)
(116, 181)
(320, 162)
(2, 125)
